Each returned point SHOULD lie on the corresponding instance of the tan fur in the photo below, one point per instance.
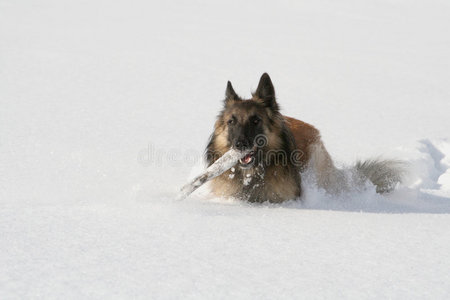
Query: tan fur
(316, 156)
(221, 141)
(305, 135)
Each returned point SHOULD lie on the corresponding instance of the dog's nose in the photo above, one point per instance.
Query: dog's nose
(242, 144)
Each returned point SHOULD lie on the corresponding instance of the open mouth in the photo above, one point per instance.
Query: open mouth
(247, 160)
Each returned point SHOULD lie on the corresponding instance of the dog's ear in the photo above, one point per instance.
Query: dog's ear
(266, 92)
(230, 94)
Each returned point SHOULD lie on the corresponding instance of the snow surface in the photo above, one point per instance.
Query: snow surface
(106, 107)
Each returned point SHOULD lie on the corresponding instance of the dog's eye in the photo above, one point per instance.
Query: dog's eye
(230, 121)
(256, 121)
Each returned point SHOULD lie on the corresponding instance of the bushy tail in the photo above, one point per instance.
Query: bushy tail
(384, 174)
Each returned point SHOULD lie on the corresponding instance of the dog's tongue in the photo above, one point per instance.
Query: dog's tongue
(247, 159)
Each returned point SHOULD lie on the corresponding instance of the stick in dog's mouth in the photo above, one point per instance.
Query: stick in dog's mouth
(223, 164)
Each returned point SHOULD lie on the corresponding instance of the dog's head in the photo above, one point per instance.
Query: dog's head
(249, 124)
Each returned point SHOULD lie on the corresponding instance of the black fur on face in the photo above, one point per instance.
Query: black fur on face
(244, 123)
(247, 122)
(245, 126)
(245, 118)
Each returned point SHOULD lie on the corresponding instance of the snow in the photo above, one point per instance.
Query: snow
(106, 108)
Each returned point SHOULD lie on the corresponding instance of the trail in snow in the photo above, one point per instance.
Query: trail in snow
(426, 188)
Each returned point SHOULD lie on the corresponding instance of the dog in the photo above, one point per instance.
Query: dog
(278, 151)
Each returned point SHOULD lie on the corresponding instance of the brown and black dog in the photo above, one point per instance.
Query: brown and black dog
(281, 148)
